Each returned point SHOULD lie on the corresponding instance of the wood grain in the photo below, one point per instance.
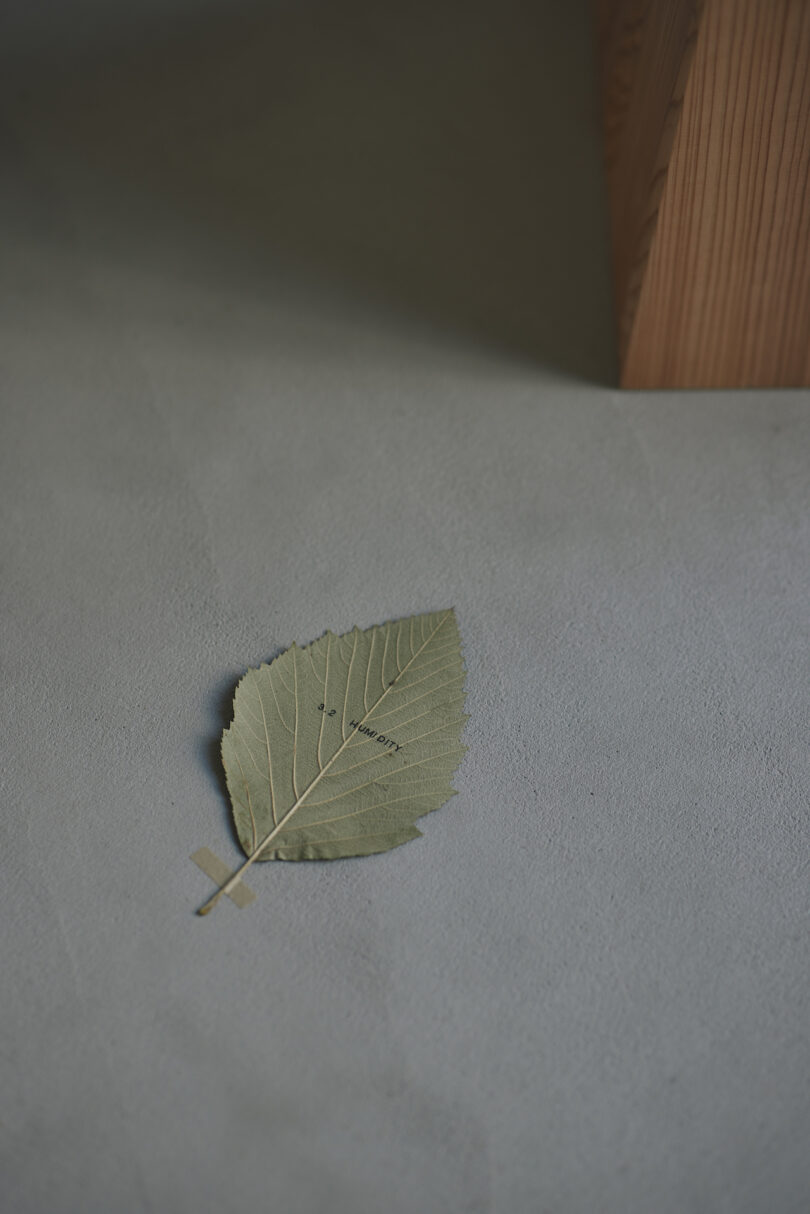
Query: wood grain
(713, 285)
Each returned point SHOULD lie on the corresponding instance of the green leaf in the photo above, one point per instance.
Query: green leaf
(338, 748)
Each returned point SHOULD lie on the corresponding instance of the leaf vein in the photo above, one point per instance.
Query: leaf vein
(431, 691)
(249, 802)
(366, 809)
(281, 716)
(269, 761)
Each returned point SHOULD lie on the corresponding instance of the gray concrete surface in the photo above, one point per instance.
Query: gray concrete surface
(306, 323)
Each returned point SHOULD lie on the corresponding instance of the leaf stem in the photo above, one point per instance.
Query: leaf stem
(236, 877)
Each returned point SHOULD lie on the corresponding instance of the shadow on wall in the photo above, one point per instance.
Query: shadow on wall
(438, 162)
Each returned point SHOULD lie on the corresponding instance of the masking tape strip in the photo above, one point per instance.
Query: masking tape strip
(219, 873)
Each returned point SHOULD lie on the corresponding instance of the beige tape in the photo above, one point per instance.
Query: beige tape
(219, 873)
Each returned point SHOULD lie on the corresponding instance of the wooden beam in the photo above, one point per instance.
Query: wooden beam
(707, 143)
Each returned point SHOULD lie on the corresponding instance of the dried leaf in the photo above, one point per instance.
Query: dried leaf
(338, 748)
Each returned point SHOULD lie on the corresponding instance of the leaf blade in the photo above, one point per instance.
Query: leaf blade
(372, 719)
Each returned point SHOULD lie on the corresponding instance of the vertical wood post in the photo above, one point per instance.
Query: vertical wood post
(707, 148)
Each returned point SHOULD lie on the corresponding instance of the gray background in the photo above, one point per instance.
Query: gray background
(306, 323)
